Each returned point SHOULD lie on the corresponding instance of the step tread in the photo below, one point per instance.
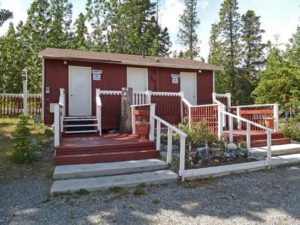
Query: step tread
(79, 119)
(81, 125)
(104, 183)
(284, 149)
(105, 169)
(80, 131)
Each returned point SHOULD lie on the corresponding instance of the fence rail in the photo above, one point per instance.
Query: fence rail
(12, 104)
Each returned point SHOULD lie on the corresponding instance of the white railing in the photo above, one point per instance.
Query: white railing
(221, 107)
(59, 114)
(275, 110)
(99, 111)
(103, 92)
(248, 132)
(141, 97)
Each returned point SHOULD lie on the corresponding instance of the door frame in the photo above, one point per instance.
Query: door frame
(195, 84)
(69, 85)
(147, 75)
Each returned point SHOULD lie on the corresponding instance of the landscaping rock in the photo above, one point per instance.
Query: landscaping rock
(232, 146)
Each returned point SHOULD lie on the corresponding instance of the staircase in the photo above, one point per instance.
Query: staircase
(258, 139)
(78, 125)
(102, 176)
(102, 149)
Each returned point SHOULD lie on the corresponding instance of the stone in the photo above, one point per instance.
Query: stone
(232, 146)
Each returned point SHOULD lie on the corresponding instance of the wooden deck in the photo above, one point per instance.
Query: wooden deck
(106, 148)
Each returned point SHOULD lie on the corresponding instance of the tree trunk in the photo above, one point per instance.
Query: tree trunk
(126, 102)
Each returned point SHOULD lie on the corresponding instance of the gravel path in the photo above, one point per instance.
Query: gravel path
(267, 197)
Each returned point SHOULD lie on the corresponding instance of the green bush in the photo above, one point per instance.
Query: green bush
(23, 148)
(199, 134)
(292, 131)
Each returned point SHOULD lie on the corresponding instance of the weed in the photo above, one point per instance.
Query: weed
(72, 216)
(82, 192)
(139, 190)
(116, 189)
(155, 201)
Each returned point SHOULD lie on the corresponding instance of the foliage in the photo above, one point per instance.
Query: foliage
(187, 32)
(79, 40)
(23, 148)
(199, 134)
(5, 15)
(291, 128)
(279, 82)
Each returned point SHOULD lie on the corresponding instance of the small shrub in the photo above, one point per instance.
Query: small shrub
(155, 201)
(199, 134)
(292, 131)
(82, 192)
(23, 148)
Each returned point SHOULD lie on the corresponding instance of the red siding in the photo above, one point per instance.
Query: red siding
(114, 78)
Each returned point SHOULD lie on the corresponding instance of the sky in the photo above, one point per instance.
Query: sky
(278, 17)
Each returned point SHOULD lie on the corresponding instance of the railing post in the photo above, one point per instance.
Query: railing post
(182, 158)
(276, 117)
(230, 129)
(228, 95)
(248, 136)
(133, 119)
(214, 97)
(169, 146)
(269, 152)
(56, 125)
(152, 124)
(181, 105)
(238, 113)
(148, 93)
(99, 112)
(158, 127)
(190, 117)
(220, 121)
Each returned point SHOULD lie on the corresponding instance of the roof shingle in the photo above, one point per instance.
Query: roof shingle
(125, 59)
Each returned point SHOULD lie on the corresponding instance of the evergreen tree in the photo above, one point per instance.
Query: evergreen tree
(279, 82)
(95, 14)
(79, 40)
(59, 35)
(5, 15)
(12, 60)
(252, 55)
(229, 27)
(187, 33)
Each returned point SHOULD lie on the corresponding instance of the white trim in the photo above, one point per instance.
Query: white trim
(214, 81)
(147, 77)
(195, 84)
(43, 91)
(90, 77)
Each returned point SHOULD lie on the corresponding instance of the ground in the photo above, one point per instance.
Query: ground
(265, 197)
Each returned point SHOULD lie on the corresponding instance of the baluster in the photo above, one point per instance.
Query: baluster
(158, 134)
(169, 147)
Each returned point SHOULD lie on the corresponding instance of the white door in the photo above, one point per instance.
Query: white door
(137, 78)
(80, 91)
(188, 84)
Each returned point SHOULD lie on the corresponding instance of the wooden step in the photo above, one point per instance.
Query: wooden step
(277, 141)
(81, 125)
(80, 131)
(106, 157)
(60, 151)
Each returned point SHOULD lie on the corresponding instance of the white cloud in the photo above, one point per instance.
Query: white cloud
(203, 5)
(18, 9)
(169, 16)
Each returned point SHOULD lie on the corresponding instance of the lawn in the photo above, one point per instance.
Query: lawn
(41, 138)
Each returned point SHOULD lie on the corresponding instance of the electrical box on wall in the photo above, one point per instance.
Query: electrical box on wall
(175, 78)
(97, 74)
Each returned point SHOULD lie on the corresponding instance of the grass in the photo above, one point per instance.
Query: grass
(197, 182)
(139, 190)
(40, 136)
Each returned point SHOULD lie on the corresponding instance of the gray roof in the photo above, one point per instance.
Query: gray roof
(126, 59)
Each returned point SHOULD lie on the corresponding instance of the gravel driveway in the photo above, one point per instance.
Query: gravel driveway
(267, 197)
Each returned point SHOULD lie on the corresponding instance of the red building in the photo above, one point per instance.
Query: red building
(80, 73)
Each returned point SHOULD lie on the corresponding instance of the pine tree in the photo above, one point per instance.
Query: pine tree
(5, 15)
(252, 55)
(95, 15)
(187, 33)
(229, 27)
(79, 40)
(59, 35)
(12, 60)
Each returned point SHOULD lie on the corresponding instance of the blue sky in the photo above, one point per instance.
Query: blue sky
(277, 16)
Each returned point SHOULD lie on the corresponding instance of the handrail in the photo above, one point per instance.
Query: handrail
(171, 129)
(248, 121)
(99, 111)
(245, 106)
(175, 129)
(59, 114)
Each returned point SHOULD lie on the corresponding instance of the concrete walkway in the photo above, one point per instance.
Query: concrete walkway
(277, 150)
